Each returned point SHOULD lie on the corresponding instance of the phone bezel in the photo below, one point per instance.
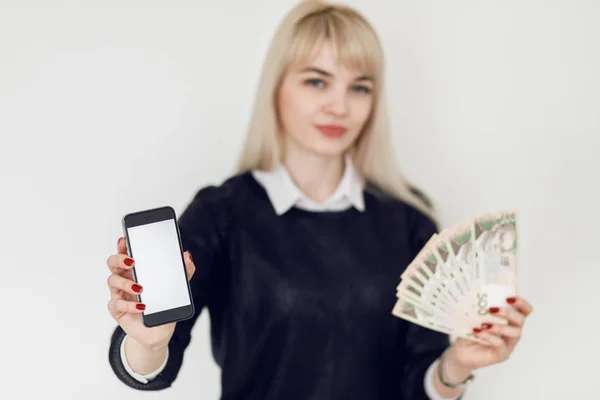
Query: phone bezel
(145, 217)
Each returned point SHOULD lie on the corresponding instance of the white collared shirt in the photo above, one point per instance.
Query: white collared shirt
(284, 194)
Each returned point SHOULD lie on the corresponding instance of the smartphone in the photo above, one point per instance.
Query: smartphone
(154, 242)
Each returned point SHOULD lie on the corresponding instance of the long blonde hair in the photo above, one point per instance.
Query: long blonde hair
(356, 45)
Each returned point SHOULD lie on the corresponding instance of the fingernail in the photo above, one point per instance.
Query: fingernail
(128, 262)
(136, 288)
(494, 310)
(476, 330)
(486, 326)
(140, 306)
(190, 254)
(119, 241)
(511, 300)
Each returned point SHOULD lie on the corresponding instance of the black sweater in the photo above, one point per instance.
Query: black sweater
(300, 304)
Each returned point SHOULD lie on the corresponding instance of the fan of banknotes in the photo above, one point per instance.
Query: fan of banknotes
(459, 274)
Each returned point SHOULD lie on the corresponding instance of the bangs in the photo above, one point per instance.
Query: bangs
(353, 42)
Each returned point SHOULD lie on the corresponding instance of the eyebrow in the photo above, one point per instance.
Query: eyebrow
(329, 74)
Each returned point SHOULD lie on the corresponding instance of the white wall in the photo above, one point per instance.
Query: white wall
(107, 107)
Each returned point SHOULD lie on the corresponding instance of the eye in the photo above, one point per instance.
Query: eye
(361, 89)
(318, 83)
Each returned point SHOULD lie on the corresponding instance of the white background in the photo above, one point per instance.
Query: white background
(109, 107)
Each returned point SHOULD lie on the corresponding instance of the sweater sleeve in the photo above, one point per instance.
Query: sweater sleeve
(421, 346)
(203, 228)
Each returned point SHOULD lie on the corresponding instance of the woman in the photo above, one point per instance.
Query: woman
(298, 254)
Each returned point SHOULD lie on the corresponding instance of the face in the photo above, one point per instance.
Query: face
(323, 106)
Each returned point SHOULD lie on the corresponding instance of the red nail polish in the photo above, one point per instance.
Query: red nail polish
(128, 262)
(190, 254)
(494, 310)
(136, 288)
(476, 330)
(140, 306)
(486, 326)
(511, 300)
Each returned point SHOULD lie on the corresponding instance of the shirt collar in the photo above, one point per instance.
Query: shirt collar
(284, 194)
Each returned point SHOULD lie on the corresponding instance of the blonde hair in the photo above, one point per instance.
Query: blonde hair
(356, 46)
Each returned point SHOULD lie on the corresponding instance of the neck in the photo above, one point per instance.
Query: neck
(315, 175)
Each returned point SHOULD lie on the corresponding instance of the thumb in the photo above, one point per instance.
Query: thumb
(189, 265)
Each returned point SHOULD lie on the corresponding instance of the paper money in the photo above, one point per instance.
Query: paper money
(419, 316)
(495, 247)
(461, 258)
(437, 288)
(459, 274)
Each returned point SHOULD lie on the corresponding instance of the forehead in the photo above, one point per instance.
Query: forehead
(326, 57)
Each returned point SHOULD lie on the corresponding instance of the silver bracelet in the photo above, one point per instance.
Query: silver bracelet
(460, 385)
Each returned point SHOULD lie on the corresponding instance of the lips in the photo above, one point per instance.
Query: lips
(332, 130)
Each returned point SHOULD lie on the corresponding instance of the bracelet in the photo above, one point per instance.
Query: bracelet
(449, 384)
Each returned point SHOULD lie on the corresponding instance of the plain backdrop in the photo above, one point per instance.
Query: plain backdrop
(109, 107)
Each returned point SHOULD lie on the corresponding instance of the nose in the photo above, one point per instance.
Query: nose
(338, 103)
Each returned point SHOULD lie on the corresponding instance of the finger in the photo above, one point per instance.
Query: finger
(121, 246)
(118, 294)
(493, 340)
(115, 292)
(115, 281)
(521, 305)
(190, 267)
(119, 263)
(508, 331)
(513, 316)
(116, 305)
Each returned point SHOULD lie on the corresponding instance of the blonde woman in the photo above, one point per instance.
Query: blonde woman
(297, 256)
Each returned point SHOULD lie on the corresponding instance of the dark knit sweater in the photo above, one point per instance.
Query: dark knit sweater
(300, 304)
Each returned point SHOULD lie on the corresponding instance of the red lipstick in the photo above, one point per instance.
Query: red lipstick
(332, 130)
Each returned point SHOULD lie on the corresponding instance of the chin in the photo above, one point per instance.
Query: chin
(330, 150)
(324, 146)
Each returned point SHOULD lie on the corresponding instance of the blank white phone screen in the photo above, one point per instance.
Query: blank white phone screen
(159, 266)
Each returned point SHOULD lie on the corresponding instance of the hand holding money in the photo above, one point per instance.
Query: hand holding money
(464, 283)
(460, 274)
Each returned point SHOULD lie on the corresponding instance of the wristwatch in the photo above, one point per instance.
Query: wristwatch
(458, 385)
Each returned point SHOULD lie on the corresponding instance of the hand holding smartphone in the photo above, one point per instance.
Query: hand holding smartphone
(126, 305)
(154, 243)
